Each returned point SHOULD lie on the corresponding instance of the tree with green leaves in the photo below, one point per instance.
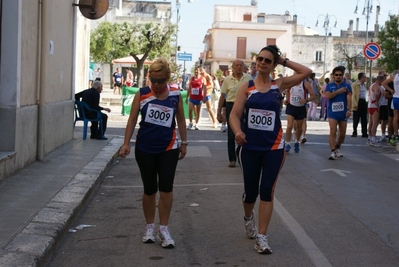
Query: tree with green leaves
(388, 39)
(102, 43)
(103, 48)
(141, 41)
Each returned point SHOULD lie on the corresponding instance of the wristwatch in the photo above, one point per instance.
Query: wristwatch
(184, 143)
(285, 61)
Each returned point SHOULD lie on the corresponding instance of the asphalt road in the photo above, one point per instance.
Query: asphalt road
(327, 213)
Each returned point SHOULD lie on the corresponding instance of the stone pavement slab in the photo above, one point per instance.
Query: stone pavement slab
(39, 203)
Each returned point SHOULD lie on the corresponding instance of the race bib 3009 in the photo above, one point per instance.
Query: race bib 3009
(260, 119)
(159, 115)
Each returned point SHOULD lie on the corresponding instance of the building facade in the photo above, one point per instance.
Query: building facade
(241, 31)
(44, 57)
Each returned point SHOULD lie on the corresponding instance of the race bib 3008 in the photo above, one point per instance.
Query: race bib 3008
(260, 119)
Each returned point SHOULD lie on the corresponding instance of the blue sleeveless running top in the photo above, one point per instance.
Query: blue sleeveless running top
(157, 132)
(262, 126)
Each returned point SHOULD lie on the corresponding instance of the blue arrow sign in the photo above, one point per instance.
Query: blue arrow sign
(184, 57)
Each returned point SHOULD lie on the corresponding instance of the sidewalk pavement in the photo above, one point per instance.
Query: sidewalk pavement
(39, 203)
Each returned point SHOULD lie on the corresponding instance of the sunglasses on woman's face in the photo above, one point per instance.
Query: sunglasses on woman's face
(264, 59)
(158, 81)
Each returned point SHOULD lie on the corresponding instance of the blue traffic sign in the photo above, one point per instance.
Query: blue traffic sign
(184, 57)
(372, 51)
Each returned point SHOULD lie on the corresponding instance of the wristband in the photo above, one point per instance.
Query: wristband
(184, 143)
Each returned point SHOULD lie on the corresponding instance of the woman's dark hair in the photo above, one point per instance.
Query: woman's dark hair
(327, 80)
(274, 50)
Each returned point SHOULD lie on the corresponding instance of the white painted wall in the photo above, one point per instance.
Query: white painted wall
(38, 79)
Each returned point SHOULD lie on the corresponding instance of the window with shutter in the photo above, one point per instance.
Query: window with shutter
(241, 47)
(270, 41)
(247, 17)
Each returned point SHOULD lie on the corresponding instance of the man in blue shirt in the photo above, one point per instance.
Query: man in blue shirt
(184, 80)
(118, 80)
(339, 94)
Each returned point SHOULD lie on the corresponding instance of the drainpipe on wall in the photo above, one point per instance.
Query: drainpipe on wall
(41, 81)
(74, 49)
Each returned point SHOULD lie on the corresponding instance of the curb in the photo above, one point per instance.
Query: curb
(38, 240)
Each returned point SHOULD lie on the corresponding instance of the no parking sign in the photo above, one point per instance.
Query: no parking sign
(372, 51)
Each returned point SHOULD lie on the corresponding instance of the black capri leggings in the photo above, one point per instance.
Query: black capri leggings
(154, 166)
(260, 165)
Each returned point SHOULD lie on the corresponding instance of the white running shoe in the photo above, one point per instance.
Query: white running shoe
(250, 226)
(338, 153)
(261, 245)
(196, 127)
(149, 235)
(384, 139)
(223, 128)
(166, 239)
(190, 126)
(333, 155)
(375, 144)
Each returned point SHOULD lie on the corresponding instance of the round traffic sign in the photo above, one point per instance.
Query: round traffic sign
(372, 51)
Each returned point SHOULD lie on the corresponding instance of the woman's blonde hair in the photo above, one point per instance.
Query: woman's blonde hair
(160, 64)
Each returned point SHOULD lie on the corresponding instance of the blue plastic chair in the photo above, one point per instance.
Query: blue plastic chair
(80, 108)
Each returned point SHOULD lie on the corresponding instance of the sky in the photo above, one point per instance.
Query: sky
(197, 17)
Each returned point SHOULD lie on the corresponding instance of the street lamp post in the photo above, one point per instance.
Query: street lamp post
(178, 6)
(367, 10)
(326, 26)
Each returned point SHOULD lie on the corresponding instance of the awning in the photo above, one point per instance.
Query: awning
(129, 60)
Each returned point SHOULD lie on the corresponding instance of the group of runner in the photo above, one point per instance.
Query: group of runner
(382, 106)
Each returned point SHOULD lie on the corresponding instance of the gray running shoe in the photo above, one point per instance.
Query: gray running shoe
(261, 245)
(250, 227)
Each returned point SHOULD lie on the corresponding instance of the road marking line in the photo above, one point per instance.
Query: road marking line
(304, 240)
(337, 171)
